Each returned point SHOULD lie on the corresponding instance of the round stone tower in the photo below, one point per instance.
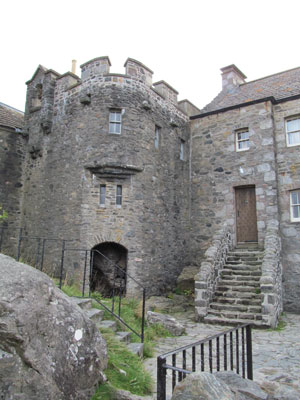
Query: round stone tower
(107, 165)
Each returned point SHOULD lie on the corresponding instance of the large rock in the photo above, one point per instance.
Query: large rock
(173, 304)
(202, 385)
(247, 389)
(225, 385)
(186, 280)
(49, 349)
(168, 322)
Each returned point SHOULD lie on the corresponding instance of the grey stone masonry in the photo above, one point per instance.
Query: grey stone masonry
(271, 279)
(206, 280)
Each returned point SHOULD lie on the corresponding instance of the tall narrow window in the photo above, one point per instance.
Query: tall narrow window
(115, 121)
(295, 205)
(293, 131)
(102, 195)
(119, 195)
(242, 140)
(156, 137)
(182, 146)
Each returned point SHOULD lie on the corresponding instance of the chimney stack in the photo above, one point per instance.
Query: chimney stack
(74, 66)
(232, 77)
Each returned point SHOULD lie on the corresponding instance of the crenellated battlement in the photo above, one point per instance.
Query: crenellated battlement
(96, 74)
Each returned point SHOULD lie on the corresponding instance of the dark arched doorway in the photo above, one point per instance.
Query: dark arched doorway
(108, 269)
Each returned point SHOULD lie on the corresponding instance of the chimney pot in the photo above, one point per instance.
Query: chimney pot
(74, 66)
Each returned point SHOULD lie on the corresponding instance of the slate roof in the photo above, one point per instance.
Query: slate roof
(281, 85)
(11, 117)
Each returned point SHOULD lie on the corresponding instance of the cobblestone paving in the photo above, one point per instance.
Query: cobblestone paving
(276, 354)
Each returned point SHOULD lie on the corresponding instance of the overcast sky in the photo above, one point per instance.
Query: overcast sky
(185, 43)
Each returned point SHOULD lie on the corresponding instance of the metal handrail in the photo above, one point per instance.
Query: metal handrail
(245, 342)
(39, 261)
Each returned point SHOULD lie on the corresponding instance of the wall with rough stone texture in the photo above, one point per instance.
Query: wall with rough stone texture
(61, 190)
(288, 164)
(11, 159)
(217, 168)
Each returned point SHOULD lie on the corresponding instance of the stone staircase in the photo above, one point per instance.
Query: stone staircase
(237, 299)
(97, 315)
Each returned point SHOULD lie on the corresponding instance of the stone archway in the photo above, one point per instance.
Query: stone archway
(106, 277)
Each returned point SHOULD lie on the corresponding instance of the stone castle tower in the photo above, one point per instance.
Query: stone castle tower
(108, 165)
(115, 163)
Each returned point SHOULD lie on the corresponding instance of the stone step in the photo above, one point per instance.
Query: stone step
(235, 307)
(83, 302)
(235, 294)
(235, 315)
(236, 277)
(230, 259)
(236, 300)
(239, 272)
(95, 315)
(243, 263)
(234, 283)
(211, 319)
(239, 289)
(241, 267)
(136, 348)
(124, 336)
(108, 324)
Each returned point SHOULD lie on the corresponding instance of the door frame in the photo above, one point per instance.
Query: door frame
(247, 186)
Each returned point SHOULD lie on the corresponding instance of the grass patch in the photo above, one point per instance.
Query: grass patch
(131, 314)
(280, 326)
(125, 370)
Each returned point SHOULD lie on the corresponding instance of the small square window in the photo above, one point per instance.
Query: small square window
(182, 149)
(156, 137)
(115, 121)
(119, 195)
(293, 131)
(242, 140)
(295, 205)
(102, 195)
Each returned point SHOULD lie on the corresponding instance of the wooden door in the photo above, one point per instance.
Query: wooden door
(246, 220)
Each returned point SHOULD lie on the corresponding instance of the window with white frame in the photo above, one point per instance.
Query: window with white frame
(156, 137)
(295, 205)
(293, 131)
(102, 195)
(119, 195)
(182, 149)
(115, 121)
(242, 140)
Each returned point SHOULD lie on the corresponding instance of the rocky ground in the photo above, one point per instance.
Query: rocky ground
(276, 353)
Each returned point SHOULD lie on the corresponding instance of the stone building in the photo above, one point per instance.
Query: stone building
(117, 163)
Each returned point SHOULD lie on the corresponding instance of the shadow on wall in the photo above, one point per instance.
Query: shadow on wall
(109, 269)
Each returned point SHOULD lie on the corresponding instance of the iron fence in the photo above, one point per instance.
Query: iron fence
(230, 350)
(33, 250)
(117, 293)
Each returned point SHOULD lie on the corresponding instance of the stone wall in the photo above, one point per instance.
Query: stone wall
(11, 162)
(271, 278)
(79, 154)
(217, 169)
(288, 167)
(207, 278)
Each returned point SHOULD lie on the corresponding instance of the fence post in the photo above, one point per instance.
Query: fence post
(43, 254)
(19, 244)
(37, 252)
(91, 270)
(62, 262)
(1, 237)
(84, 272)
(161, 378)
(143, 315)
(249, 352)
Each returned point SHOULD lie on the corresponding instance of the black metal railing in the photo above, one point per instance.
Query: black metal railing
(230, 350)
(32, 250)
(117, 292)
